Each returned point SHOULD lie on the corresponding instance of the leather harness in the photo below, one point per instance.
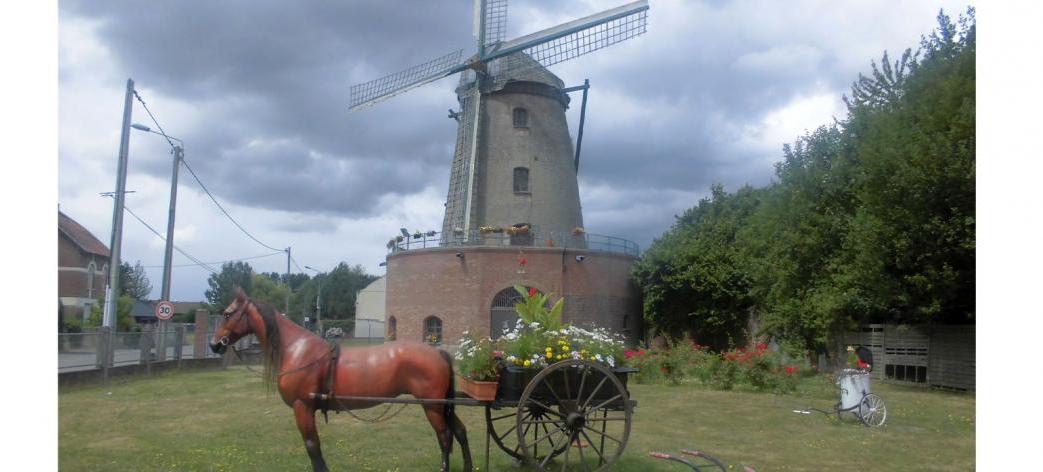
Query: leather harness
(324, 404)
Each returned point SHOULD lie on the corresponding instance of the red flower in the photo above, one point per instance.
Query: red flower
(862, 364)
(761, 347)
(532, 290)
(791, 369)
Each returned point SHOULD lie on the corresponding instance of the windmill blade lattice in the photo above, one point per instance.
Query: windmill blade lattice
(459, 174)
(568, 40)
(495, 21)
(368, 93)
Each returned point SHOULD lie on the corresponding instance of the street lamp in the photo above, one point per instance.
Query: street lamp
(318, 300)
(178, 151)
(179, 155)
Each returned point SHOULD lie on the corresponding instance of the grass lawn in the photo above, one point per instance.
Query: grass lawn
(224, 421)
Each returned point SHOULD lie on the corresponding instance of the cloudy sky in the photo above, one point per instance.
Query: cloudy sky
(258, 91)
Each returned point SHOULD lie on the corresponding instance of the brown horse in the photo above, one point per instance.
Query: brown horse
(299, 362)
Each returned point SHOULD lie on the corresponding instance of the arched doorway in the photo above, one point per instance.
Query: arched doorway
(502, 314)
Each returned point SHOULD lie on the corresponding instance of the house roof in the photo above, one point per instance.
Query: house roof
(80, 236)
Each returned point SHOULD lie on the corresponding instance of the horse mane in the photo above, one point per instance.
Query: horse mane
(272, 352)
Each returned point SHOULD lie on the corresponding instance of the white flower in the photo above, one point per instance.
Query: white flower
(598, 357)
(611, 361)
(534, 325)
(575, 355)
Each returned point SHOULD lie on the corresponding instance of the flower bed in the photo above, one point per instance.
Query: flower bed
(756, 368)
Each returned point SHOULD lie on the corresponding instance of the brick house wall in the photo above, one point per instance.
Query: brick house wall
(79, 254)
(459, 290)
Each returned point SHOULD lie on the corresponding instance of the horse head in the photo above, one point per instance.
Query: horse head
(236, 323)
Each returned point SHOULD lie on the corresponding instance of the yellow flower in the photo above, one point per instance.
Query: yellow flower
(549, 355)
(527, 362)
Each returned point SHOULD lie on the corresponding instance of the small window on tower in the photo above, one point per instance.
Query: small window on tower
(521, 180)
(521, 118)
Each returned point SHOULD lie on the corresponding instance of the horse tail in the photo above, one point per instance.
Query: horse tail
(456, 427)
(450, 408)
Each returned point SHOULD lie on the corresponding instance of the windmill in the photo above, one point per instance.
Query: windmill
(506, 170)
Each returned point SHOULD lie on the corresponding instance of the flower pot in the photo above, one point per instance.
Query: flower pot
(477, 389)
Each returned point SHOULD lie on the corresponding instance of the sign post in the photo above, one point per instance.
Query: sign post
(164, 312)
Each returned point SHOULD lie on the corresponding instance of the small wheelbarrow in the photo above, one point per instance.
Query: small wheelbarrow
(699, 461)
(856, 395)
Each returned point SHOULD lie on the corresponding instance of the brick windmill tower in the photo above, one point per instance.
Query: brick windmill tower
(513, 213)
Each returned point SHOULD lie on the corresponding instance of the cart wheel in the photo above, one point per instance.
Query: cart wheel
(502, 424)
(586, 414)
(871, 410)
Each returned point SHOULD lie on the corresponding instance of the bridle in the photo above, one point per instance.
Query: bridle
(241, 311)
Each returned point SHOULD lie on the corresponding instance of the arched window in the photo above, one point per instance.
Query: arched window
(502, 314)
(521, 118)
(432, 330)
(392, 329)
(90, 280)
(521, 180)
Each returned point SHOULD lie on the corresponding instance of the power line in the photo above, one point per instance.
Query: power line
(236, 223)
(296, 264)
(164, 133)
(200, 182)
(219, 262)
(189, 256)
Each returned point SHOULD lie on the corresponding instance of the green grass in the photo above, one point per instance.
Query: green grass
(224, 421)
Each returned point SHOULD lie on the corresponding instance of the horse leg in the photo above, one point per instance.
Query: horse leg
(436, 416)
(460, 432)
(306, 424)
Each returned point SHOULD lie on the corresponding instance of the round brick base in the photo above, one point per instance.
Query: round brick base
(456, 287)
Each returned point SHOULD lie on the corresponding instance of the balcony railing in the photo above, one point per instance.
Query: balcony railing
(532, 238)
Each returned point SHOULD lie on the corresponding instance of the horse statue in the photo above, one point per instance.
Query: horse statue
(301, 364)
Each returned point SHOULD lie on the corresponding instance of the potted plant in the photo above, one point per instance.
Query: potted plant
(477, 362)
(577, 231)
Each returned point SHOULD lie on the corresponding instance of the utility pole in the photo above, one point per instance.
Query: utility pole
(287, 311)
(318, 299)
(112, 291)
(168, 255)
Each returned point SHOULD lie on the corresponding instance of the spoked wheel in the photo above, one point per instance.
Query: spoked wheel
(502, 425)
(585, 416)
(871, 410)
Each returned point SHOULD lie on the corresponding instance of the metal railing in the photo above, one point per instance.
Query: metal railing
(501, 238)
(100, 347)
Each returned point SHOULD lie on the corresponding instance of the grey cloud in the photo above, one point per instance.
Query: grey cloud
(279, 73)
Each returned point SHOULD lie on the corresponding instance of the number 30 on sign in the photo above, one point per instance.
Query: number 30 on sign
(164, 310)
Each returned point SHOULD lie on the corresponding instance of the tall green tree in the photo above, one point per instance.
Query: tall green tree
(134, 282)
(696, 278)
(223, 284)
(339, 287)
(273, 292)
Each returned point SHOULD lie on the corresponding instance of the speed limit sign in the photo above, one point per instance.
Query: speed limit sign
(164, 310)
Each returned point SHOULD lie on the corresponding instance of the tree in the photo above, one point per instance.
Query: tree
(270, 291)
(124, 319)
(695, 278)
(134, 282)
(223, 284)
(340, 288)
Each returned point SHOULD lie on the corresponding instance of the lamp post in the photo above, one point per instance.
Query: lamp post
(318, 300)
(178, 150)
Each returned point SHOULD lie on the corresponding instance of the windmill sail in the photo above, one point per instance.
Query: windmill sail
(495, 22)
(367, 94)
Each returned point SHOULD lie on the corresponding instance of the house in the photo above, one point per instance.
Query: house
(83, 269)
(369, 310)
